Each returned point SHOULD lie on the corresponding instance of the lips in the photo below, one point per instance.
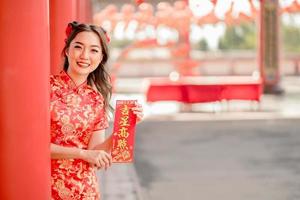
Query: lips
(83, 64)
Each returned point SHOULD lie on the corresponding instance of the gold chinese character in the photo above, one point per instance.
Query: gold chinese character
(125, 154)
(125, 110)
(124, 121)
(122, 143)
(123, 132)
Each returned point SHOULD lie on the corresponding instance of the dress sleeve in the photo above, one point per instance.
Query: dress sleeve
(54, 87)
(51, 87)
(101, 121)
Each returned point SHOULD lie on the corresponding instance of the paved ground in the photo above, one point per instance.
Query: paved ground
(120, 182)
(230, 160)
(237, 155)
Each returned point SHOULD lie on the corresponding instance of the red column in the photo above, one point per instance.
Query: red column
(61, 13)
(24, 100)
(84, 11)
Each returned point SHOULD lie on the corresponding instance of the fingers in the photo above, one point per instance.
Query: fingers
(138, 111)
(109, 158)
(98, 164)
(104, 160)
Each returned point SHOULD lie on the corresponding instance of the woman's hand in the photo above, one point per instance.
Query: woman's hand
(97, 158)
(138, 111)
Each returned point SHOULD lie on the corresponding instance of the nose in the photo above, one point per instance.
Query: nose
(84, 54)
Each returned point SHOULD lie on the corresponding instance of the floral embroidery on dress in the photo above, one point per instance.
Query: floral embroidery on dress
(76, 111)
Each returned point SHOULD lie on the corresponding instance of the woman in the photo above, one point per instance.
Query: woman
(80, 97)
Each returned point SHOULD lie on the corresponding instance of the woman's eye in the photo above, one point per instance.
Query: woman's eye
(95, 50)
(77, 47)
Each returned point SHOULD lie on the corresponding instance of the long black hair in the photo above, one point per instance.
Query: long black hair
(99, 78)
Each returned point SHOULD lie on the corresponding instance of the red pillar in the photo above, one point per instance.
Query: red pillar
(61, 13)
(84, 11)
(24, 100)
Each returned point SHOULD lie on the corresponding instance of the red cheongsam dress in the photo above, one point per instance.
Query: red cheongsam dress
(76, 111)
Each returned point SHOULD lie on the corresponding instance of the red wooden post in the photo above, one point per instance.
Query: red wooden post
(24, 100)
(84, 11)
(61, 13)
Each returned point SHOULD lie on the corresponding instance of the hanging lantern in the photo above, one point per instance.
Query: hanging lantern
(293, 8)
(254, 10)
(138, 2)
(163, 6)
(214, 2)
(244, 18)
(229, 20)
(180, 5)
(127, 12)
(210, 18)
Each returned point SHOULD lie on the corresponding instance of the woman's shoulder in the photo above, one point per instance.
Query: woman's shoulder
(96, 94)
(56, 84)
(54, 79)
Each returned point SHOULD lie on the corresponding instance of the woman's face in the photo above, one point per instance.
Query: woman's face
(84, 54)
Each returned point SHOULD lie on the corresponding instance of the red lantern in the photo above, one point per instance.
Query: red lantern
(180, 5)
(163, 6)
(210, 18)
(293, 8)
(214, 2)
(127, 13)
(138, 2)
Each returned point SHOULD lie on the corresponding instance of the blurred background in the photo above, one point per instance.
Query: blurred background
(169, 39)
(219, 82)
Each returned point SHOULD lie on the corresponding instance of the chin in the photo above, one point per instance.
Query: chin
(82, 71)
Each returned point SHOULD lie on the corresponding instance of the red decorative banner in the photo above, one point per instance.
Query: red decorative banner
(124, 130)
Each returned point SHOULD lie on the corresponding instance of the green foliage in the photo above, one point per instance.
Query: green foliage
(291, 38)
(242, 36)
(202, 45)
(120, 43)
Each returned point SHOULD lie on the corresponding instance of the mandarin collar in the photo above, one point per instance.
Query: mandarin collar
(69, 81)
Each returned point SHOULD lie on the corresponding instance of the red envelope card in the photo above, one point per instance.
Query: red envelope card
(124, 130)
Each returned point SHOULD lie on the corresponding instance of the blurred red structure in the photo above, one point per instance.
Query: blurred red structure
(61, 13)
(24, 101)
(204, 89)
(25, 61)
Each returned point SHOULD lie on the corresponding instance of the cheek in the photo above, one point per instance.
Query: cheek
(97, 60)
(71, 56)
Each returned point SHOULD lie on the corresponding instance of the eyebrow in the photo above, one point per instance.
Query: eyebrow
(91, 45)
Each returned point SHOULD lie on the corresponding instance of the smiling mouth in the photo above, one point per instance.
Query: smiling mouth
(83, 65)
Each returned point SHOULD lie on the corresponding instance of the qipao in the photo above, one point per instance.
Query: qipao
(76, 111)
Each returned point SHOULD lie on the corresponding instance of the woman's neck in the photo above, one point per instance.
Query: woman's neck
(76, 78)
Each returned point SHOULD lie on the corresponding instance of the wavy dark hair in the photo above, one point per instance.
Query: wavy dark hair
(99, 78)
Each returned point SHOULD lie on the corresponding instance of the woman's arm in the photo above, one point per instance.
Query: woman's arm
(98, 141)
(98, 158)
(60, 152)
